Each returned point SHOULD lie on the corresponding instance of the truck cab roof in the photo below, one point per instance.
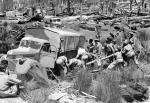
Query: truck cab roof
(35, 39)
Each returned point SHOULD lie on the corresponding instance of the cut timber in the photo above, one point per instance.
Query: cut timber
(88, 95)
(99, 59)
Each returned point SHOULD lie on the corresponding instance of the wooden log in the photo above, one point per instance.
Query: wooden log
(88, 95)
(100, 59)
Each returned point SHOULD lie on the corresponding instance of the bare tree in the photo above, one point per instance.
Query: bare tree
(81, 9)
(143, 1)
(106, 5)
(131, 2)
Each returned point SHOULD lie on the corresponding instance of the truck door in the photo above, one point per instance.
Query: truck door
(48, 56)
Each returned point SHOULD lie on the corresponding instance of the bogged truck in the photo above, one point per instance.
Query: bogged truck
(46, 44)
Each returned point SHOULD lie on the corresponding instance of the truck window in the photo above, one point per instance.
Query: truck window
(46, 47)
(35, 45)
(25, 43)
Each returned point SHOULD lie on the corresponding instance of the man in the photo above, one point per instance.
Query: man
(118, 58)
(115, 46)
(97, 47)
(62, 63)
(139, 11)
(110, 44)
(75, 62)
(98, 31)
(9, 83)
(108, 48)
(90, 47)
(131, 38)
(3, 65)
(129, 52)
(81, 51)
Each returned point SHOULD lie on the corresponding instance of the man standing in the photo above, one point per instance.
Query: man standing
(97, 47)
(90, 47)
(118, 58)
(80, 53)
(129, 52)
(98, 30)
(62, 63)
(139, 11)
(131, 38)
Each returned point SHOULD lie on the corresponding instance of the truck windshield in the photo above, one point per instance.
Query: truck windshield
(31, 44)
(25, 43)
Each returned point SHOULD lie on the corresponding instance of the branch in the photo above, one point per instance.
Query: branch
(88, 95)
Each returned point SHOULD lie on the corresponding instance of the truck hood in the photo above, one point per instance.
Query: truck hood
(22, 51)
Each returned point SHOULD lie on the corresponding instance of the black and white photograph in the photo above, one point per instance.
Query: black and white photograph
(74, 51)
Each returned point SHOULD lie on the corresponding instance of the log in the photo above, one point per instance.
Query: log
(88, 95)
(100, 59)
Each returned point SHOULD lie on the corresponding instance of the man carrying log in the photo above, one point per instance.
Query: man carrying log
(90, 47)
(129, 53)
(97, 47)
(131, 38)
(80, 53)
(118, 58)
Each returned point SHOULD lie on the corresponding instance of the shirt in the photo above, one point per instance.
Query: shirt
(118, 55)
(98, 48)
(129, 49)
(81, 51)
(90, 47)
(75, 61)
(61, 60)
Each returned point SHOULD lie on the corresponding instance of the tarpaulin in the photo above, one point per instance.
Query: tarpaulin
(64, 40)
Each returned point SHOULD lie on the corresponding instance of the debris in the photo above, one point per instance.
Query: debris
(56, 96)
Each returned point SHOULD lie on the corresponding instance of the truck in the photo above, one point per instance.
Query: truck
(46, 44)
